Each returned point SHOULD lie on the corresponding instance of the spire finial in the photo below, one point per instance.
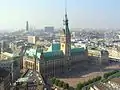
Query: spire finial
(66, 11)
(66, 27)
(65, 7)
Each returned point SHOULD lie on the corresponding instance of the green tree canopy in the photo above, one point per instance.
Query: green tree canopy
(60, 84)
(53, 80)
(56, 82)
(79, 86)
(66, 86)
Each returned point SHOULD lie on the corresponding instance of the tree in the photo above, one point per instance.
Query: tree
(66, 86)
(98, 78)
(86, 83)
(116, 71)
(71, 88)
(79, 86)
(53, 80)
(27, 54)
(60, 84)
(90, 81)
(105, 76)
(94, 79)
(56, 82)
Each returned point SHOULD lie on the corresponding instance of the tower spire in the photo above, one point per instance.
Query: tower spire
(66, 19)
(65, 40)
(67, 32)
(65, 7)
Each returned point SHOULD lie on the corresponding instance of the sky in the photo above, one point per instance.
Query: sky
(41, 13)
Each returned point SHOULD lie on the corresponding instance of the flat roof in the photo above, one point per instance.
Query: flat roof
(25, 79)
(8, 54)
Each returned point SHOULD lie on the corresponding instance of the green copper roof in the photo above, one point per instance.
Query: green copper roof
(54, 47)
(47, 55)
(53, 55)
(32, 52)
(77, 51)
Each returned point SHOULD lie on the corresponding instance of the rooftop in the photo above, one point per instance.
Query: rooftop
(25, 79)
(8, 54)
(54, 47)
(53, 52)
(77, 51)
(7, 61)
(30, 76)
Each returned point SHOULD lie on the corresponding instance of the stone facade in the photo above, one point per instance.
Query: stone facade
(52, 67)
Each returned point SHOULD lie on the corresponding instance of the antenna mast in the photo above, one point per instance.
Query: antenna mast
(65, 6)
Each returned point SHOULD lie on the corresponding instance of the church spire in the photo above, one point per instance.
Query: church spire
(67, 32)
(65, 38)
(65, 7)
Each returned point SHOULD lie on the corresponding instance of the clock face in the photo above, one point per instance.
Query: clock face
(62, 39)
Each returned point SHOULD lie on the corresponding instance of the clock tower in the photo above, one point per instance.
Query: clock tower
(65, 41)
(65, 38)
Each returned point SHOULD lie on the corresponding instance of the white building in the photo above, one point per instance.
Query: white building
(32, 39)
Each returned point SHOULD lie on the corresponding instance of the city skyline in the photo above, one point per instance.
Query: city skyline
(41, 13)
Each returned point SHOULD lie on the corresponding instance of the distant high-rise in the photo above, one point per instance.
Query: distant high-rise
(27, 26)
(49, 29)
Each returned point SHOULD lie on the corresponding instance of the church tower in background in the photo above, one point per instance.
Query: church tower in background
(27, 26)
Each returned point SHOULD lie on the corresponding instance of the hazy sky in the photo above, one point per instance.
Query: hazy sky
(40, 13)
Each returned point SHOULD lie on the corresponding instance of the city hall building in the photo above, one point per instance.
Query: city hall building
(58, 58)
